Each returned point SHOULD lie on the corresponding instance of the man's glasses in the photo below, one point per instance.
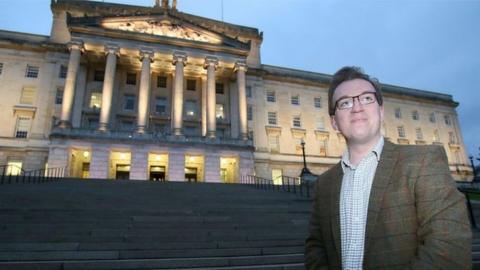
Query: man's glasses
(363, 98)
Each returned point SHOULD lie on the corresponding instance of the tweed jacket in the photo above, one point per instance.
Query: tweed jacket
(416, 219)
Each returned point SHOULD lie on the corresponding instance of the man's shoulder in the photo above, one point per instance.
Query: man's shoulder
(330, 174)
(414, 152)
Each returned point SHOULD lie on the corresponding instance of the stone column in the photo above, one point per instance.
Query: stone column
(108, 81)
(69, 90)
(211, 64)
(179, 60)
(100, 162)
(146, 57)
(240, 68)
(176, 166)
(204, 106)
(212, 168)
(139, 163)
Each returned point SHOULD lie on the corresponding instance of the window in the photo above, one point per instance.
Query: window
(220, 132)
(248, 91)
(14, 167)
(320, 123)
(129, 102)
(131, 78)
(436, 136)
(32, 71)
(419, 134)
(277, 176)
(23, 126)
(317, 102)
(273, 143)
(127, 125)
(1, 68)
(59, 96)
(323, 148)
(219, 88)
(432, 118)
(272, 118)
(191, 131)
(448, 120)
(398, 113)
(95, 100)
(191, 85)
(415, 115)
(162, 128)
(295, 100)
(297, 122)
(160, 105)
(219, 113)
(92, 123)
(271, 96)
(98, 75)
(191, 108)
(63, 72)
(452, 138)
(298, 146)
(28, 95)
(162, 81)
(401, 132)
(249, 113)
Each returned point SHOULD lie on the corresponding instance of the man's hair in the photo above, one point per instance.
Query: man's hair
(348, 74)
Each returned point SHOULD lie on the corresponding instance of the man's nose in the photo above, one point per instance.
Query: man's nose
(357, 106)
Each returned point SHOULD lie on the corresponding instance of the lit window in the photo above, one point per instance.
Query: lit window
(401, 132)
(23, 126)
(415, 115)
(297, 122)
(98, 75)
(160, 105)
(272, 118)
(63, 72)
(219, 88)
(129, 102)
(295, 100)
(59, 96)
(273, 142)
(28, 95)
(317, 102)
(249, 113)
(320, 123)
(452, 138)
(191, 108)
(249, 91)
(1, 68)
(131, 78)
(96, 100)
(271, 96)
(191, 85)
(219, 113)
(398, 113)
(448, 120)
(432, 117)
(419, 134)
(162, 81)
(14, 168)
(436, 136)
(32, 71)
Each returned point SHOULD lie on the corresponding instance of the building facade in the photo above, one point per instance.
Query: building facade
(128, 92)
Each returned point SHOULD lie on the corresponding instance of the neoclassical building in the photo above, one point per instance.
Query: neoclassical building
(128, 92)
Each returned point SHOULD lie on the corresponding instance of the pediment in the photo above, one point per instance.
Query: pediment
(164, 27)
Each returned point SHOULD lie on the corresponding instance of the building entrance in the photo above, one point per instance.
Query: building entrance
(191, 174)
(80, 163)
(122, 172)
(157, 173)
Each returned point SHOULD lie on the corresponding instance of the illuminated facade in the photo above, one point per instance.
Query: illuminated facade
(128, 92)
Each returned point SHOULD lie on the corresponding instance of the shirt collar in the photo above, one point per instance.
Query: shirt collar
(376, 150)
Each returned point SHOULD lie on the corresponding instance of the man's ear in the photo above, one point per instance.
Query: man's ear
(333, 122)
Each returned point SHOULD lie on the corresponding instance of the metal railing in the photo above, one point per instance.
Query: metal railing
(286, 183)
(469, 189)
(11, 174)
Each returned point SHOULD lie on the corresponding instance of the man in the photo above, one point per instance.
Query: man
(383, 206)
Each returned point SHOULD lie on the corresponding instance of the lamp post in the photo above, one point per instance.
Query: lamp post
(305, 169)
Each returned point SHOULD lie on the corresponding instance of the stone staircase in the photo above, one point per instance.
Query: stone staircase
(101, 224)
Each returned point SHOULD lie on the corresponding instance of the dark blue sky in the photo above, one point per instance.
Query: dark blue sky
(432, 45)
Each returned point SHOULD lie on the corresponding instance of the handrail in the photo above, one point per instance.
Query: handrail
(287, 184)
(33, 176)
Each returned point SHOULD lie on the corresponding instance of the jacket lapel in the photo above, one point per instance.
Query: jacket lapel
(336, 176)
(388, 159)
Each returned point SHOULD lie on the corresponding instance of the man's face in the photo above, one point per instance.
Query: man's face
(360, 124)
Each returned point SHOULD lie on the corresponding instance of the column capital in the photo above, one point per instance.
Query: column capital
(240, 65)
(179, 57)
(112, 48)
(210, 61)
(76, 44)
(146, 53)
